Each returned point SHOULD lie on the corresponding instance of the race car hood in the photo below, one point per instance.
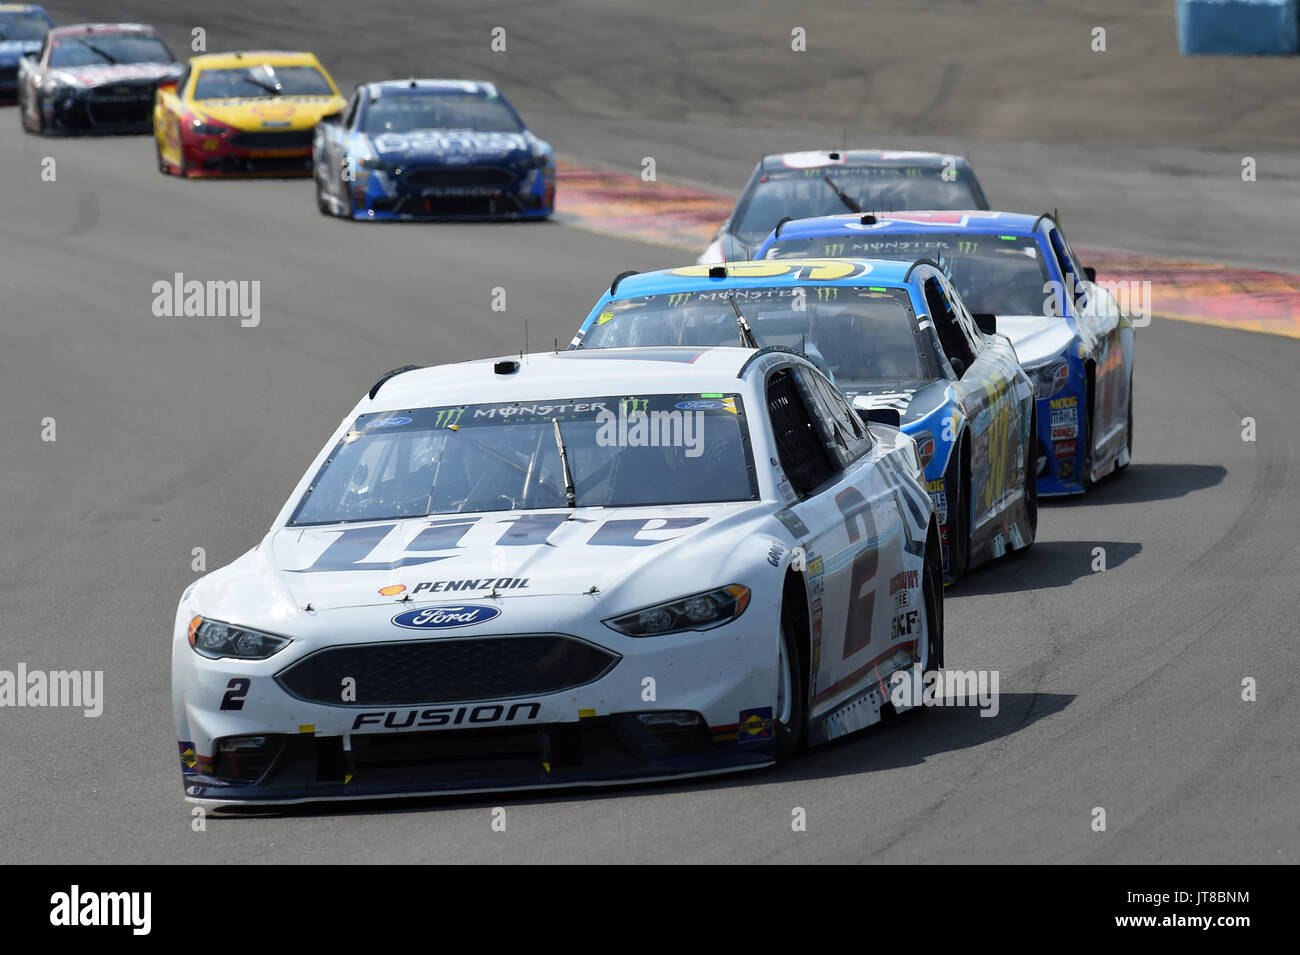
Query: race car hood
(1036, 337)
(901, 396)
(517, 554)
(11, 51)
(106, 73)
(267, 113)
(452, 147)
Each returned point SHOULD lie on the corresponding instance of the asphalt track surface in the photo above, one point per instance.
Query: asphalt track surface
(1120, 689)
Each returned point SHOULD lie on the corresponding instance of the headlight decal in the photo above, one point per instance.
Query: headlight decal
(216, 639)
(702, 611)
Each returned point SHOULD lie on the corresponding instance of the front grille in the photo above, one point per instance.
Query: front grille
(447, 671)
(289, 139)
(459, 177)
(114, 106)
(9, 75)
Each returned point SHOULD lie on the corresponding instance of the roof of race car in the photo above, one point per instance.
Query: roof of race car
(219, 61)
(767, 273)
(554, 376)
(813, 158)
(384, 87)
(20, 8)
(80, 29)
(974, 221)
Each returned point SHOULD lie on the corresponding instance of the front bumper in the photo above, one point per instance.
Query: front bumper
(278, 731)
(245, 155)
(485, 192)
(120, 109)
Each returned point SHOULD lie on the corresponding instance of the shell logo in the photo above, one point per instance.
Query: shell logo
(392, 590)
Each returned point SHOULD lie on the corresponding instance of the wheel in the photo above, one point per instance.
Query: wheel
(162, 163)
(790, 717)
(958, 476)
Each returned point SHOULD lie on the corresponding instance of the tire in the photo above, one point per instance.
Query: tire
(322, 204)
(958, 476)
(1128, 428)
(932, 594)
(162, 164)
(790, 716)
(1031, 484)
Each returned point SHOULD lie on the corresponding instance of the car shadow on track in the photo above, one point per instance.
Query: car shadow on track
(1048, 564)
(895, 743)
(1141, 483)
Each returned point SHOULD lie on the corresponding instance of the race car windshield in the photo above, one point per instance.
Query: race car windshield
(854, 333)
(404, 112)
(623, 451)
(23, 26)
(108, 49)
(996, 274)
(251, 82)
(805, 193)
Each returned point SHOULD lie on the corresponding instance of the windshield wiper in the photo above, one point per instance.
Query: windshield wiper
(97, 51)
(273, 90)
(844, 196)
(746, 333)
(570, 493)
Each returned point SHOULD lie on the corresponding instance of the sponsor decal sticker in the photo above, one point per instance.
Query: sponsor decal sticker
(755, 725)
(1065, 431)
(470, 583)
(392, 590)
(1065, 449)
(446, 617)
(1069, 402)
(396, 422)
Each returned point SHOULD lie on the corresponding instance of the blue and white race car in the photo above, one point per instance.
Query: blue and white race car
(22, 31)
(897, 340)
(431, 149)
(564, 569)
(819, 182)
(1070, 334)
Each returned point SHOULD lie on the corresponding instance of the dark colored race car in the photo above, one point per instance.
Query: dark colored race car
(431, 149)
(819, 183)
(93, 78)
(22, 31)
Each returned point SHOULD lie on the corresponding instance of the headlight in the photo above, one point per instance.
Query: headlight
(372, 163)
(697, 612)
(534, 162)
(215, 639)
(208, 129)
(1048, 377)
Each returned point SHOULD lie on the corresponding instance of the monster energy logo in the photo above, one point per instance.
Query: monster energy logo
(631, 406)
(448, 417)
(827, 293)
(677, 299)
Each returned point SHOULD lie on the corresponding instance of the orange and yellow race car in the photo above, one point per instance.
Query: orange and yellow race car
(242, 114)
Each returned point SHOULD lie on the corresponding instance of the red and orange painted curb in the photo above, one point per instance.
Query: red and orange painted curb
(686, 217)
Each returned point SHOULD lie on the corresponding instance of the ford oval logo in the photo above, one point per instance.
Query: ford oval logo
(446, 617)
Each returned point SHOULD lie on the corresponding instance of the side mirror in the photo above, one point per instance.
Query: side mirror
(166, 86)
(958, 366)
(333, 119)
(32, 55)
(889, 416)
(1090, 272)
(986, 323)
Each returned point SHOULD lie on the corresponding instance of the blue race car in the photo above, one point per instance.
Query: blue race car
(819, 182)
(431, 149)
(897, 340)
(1070, 333)
(22, 31)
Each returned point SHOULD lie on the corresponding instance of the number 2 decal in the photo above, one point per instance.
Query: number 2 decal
(857, 629)
(236, 690)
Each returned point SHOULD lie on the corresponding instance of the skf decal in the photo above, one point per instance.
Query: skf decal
(755, 725)
(447, 716)
(904, 624)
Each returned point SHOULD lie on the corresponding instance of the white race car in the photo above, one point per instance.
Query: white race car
(574, 568)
